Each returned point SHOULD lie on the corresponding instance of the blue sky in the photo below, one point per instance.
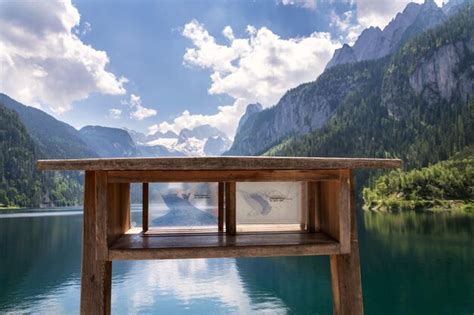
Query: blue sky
(165, 65)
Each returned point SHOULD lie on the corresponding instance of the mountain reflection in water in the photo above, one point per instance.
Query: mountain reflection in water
(411, 264)
(183, 213)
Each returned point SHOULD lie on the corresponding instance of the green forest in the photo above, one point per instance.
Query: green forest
(382, 117)
(444, 186)
(21, 185)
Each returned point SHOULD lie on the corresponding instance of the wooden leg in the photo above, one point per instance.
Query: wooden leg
(230, 203)
(220, 206)
(95, 274)
(145, 205)
(345, 272)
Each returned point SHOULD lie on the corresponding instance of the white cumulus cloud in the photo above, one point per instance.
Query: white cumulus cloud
(115, 113)
(380, 12)
(138, 111)
(43, 62)
(308, 4)
(260, 67)
(226, 119)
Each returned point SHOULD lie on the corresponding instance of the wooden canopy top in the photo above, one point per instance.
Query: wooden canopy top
(216, 163)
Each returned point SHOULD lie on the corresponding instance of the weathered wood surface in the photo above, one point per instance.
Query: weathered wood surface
(101, 215)
(216, 245)
(220, 175)
(96, 275)
(345, 271)
(118, 205)
(217, 163)
(220, 206)
(311, 204)
(145, 206)
(230, 207)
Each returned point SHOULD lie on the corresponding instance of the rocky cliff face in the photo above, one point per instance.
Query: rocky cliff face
(308, 107)
(249, 111)
(441, 75)
(301, 110)
(373, 43)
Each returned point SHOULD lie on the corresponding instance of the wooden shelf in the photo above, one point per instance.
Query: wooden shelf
(218, 245)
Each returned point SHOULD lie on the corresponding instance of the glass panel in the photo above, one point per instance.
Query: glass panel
(271, 203)
(183, 206)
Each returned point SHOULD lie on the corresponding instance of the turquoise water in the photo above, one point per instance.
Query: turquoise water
(411, 264)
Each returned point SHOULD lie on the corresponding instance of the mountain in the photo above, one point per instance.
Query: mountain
(18, 179)
(308, 107)
(20, 183)
(417, 105)
(140, 138)
(374, 43)
(54, 139)
(199, 141)
(249, 113)
(109, 142)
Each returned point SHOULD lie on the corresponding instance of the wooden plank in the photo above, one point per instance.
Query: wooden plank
(329, 208)
(118, 205)
(230, 208)
(345, 271)
(96, 275)
(345, 212)
(220, 175)
(101, 214)
(220, 206)
(317, 217)
(311, 199)
(216, 245)
(145, 206)
(217, 163)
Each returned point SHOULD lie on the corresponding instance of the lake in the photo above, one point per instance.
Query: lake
(411, 264)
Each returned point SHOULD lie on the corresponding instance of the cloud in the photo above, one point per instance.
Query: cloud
(347, 25)
(380, 12)
(308, 4)
(258, 68)
(138, 111)
(115, 113)
(42, 61)
(226, 119)
(261, 67)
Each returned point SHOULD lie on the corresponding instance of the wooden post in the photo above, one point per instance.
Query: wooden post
(95, 273)
(311, 198)
(220, 206)
(145, 207)
(345, 269)
(230, 204)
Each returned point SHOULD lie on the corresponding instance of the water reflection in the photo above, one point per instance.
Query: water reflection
(418, 263)
(411, 264)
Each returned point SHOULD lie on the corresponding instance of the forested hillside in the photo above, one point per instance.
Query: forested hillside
(447, 185)
(20, 183)
(416, 106)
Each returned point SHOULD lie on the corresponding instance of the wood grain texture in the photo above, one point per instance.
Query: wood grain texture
(220, 175)
(96, 275)
(220, 206)
(101, 214)
(311, 204)
(217, 163)
(329, 208)
(230, 208)
(345, 271)
(118, 205)
(344, 208)
(216, 245)
(145, 206)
